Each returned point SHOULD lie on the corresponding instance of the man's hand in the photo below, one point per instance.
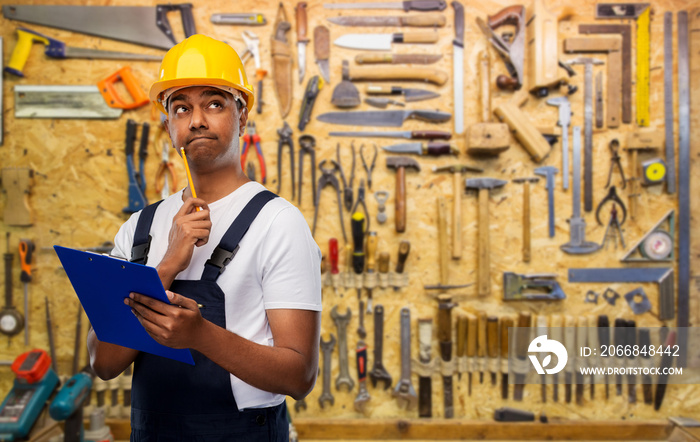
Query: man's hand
(190, 229)
(175, 325)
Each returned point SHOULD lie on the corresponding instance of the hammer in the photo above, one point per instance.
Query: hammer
(457, 170)
(400, 164)
(526, 214)
(483, 185)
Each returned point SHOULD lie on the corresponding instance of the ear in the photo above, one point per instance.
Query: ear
(242, 120)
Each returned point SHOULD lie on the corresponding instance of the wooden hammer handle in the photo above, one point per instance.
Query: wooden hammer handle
(484, 276)
(400, 200)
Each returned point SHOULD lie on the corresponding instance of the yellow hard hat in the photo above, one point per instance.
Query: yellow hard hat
(199, 61)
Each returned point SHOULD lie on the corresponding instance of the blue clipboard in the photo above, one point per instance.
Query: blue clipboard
(101, 283)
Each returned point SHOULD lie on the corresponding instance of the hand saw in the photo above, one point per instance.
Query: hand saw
(142, 25)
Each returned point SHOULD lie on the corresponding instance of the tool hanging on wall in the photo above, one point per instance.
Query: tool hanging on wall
(252, 43)
(543, 58)
(512, 52)
(564, 106)
(657, 244)
(307, 146)
(328, 178)
(614, 198)
(383, 42)
(641, 13)
(11, 320)
(322, 51)
(526, 215)
(425, 367)
(668, 104)
(614, 147)
(347, 185)
(16, 185)
(58, 50)
(548, 172)
(2, 88)
(282, 61)
(26, 253)
(243, 19)
(640, 141)
(458, 68)
(251, 138)
(653, 172)
(444, 321)
(424, 20)
(313, 87)
(141, 25)
(613, 231)
(487, 137)
(302, 39)
(522, 128)
(400, 164)
(423, 5)
(409, 94)
(136, 192)
(285, 139)
(536, 287)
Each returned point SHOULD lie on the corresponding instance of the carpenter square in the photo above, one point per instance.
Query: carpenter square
(564, 121)
(548, 172)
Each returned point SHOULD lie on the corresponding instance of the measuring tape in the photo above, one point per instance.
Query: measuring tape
(654, 171)
(643, 24)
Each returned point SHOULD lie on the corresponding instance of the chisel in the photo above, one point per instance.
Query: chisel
(620, 337)
(357, 226)
(666, 363)
(570, 344)
(645, 344)
(522, 340)
(604, 342)
(481, 345)
(631, 377)
(506, 323)
(542, 330)
(594, 359)
(492, 346)
(471, 347)
(461, 349)
(555, 328)
(581, 342)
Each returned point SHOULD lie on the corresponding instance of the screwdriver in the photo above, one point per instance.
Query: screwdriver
(333, 253)
(357, 227)
(371, 259)
(26, 248)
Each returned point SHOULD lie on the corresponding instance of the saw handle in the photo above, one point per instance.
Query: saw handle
(507, 16)
(186, 17)
(25, 40)
(109, 92)
(302, 22)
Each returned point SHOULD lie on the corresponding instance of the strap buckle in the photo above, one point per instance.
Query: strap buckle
(139, 253)
(221, 257)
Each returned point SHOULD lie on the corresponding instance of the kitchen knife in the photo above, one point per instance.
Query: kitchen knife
(382, 42)
(409, 94)
(391, 118)
(423, 20)
(322, 51)
(409, 134)
(432, 149)
(302, 39)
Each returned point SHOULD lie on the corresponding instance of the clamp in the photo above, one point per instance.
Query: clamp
(252, 43)
(328, 177)
(251, 137)
(306, 147)
(371, 167)
(611, 196)
(347, 185)
(285, 138)
(614, 147)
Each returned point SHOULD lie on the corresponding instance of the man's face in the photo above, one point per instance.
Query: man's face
(207, 122)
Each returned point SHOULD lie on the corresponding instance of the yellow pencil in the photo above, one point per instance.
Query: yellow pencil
(189, 176)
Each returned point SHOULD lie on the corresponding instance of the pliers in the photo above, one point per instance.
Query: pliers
(306, 147)
(285, 138)
(165, 175)
(370, 168)
(251, 136)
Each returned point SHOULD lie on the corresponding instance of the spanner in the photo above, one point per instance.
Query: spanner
(341, 323)
(252, 42)
(362, 333)
(363, 395)
(404, 391)
(378, 372)
(327, 349)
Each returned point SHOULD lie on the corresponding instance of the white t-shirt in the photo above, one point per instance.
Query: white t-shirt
(276, 267)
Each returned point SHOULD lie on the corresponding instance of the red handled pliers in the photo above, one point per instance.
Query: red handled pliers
(252, 137)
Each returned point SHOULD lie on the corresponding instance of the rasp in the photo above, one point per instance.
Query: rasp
(141, 25)
(391, 118)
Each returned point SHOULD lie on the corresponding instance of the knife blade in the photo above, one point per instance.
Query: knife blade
(409, 94)
(408, 134)
(382, 42)
(397, 58)
(423, 20)
(302, 39)
(391, 118)
(458, 67)
(432, 149)
(417, 5)
(322, 51)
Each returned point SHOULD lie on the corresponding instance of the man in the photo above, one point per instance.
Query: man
(253, 323)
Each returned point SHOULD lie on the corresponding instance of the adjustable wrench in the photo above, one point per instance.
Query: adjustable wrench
(404, 391)
(327, 349)
(378, 372)
(363, 395)
(252, 43)
(341, 323)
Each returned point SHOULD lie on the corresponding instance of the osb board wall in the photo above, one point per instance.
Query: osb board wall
(80, 188)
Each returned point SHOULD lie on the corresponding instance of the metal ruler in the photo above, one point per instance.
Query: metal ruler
(683, 183)
(668, 103)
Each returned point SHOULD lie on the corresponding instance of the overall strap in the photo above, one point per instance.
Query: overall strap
(228, 247)
(142, 238)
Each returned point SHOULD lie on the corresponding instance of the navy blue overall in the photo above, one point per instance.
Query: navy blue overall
(173, 401)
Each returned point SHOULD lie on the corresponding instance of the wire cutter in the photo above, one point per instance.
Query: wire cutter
(251, 137)
(165, 175)
(285, 139)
